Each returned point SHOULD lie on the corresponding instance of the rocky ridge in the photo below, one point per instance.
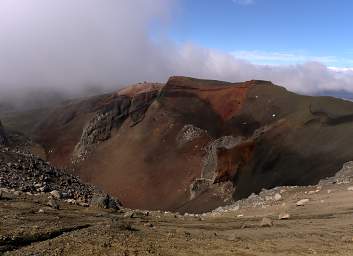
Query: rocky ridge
(114, 111)
(277, 195)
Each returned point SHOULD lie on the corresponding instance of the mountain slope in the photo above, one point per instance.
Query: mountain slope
(193, 145)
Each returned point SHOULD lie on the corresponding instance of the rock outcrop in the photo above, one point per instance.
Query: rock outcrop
(112, 115)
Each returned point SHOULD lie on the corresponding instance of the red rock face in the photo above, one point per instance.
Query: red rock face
(225, 99)
(192, 145)
(233, 160)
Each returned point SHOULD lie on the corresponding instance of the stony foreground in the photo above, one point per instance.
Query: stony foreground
(315, 220)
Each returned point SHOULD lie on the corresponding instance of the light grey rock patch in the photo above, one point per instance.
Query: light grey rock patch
(188, 133)
(209, 162)
(302, 202)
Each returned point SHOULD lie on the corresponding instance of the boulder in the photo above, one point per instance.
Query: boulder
(277, 197)
(284, 216)
(302, 202)
(55, 194)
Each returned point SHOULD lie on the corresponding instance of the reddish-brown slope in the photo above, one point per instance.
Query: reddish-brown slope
(61, 131)
(142, 165)
(183, 146)
(226, 99)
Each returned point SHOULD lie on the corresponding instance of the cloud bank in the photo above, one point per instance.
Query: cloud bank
(69, 45)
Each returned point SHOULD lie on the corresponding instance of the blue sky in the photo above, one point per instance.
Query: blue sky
(270, 31)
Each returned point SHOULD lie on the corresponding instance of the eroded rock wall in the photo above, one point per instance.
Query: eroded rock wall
(112, 115)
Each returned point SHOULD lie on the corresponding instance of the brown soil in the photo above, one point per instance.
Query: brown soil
(323, 226)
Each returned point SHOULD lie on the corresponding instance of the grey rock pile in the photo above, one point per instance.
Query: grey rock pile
(344, 176)
(28, 174)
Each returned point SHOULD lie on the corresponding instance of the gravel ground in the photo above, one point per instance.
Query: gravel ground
(271, 223)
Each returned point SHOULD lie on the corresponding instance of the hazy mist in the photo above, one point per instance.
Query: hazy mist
(70, 45)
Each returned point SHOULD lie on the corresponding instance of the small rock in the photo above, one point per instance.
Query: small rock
(83, 204)
(38, 185)
(313, 192)
(350, 188)
(302, 202)
(284, 216)
(100, 201)
(268, 198)
(40, 211)
(252, 196)
(71, 201)
(266, 222)
(150, 225)
(53, 204)
(235, 208)
(44, 189)
(244, 226)
(104, 202)
(56, 194)
(277, 197)
(138, 214)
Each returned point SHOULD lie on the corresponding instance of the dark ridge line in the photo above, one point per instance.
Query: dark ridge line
(219, 88)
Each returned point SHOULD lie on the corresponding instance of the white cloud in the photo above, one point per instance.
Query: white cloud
(308, 78)
(67, 44)
(341, 70)
(275, 58)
